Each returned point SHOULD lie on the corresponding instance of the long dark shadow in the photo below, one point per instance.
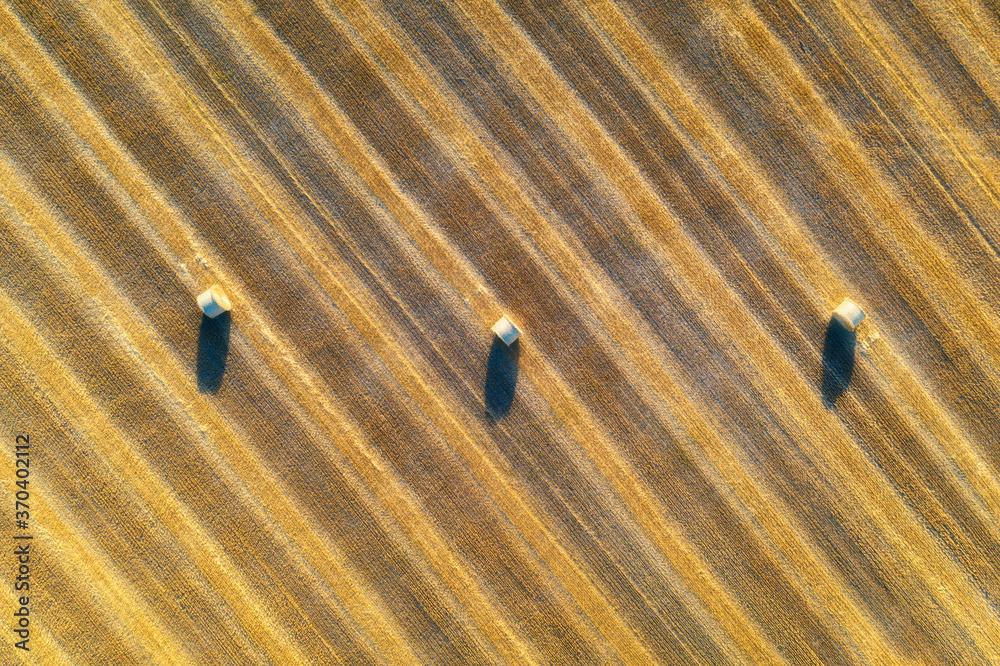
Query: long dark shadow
(213, 348)
(838, 361)
(501, 377)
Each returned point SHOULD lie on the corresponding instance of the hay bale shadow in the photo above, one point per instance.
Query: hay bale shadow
(213, 348)
(501, 377)
(838, 361)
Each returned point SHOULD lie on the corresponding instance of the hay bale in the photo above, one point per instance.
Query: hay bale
(849, 314)
(213, 301)
(506, 331)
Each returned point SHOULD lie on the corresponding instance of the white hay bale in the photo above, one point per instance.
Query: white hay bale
(506, 331)
(213, 301)
(849, 314)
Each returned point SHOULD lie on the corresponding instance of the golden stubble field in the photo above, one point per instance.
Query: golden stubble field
(682, 461)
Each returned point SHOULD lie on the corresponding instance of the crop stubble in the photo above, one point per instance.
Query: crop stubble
(669, 200)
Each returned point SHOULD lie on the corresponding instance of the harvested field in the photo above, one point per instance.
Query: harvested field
(683, 460)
